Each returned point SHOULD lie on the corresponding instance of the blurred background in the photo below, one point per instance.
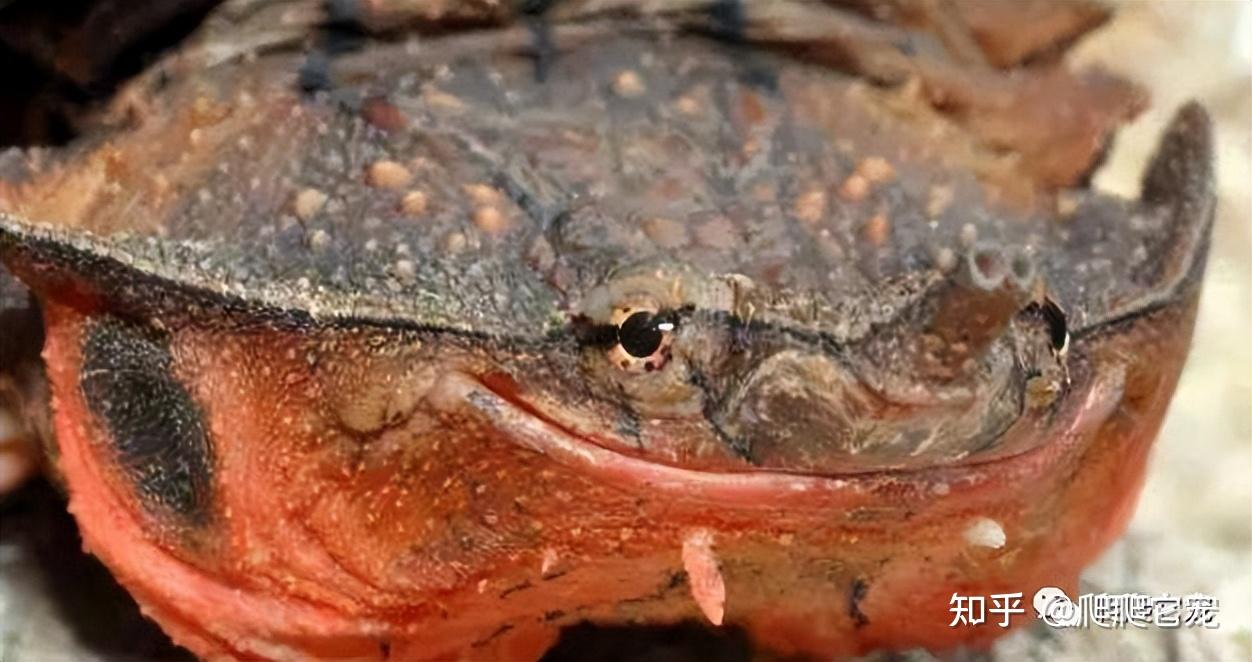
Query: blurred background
(1191, 533)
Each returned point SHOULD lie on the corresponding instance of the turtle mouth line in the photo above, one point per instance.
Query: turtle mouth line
(530, 429)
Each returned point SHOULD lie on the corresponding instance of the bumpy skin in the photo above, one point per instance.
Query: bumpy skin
(335, 373)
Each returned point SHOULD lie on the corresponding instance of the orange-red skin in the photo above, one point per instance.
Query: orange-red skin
(455, 543)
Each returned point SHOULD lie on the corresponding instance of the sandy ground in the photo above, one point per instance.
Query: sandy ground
(1193, 529)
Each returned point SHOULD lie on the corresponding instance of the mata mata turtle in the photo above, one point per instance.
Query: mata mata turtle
(423, 330)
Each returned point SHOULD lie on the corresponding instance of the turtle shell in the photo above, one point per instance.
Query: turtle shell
(486, 181)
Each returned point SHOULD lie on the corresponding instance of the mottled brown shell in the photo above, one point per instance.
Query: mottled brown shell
(487, 181)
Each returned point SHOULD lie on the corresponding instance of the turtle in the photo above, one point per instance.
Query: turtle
(424, 330)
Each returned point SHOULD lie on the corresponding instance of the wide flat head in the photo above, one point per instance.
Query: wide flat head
(814, 242)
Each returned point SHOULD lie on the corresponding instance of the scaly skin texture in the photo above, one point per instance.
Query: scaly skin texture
(339, 350)
(439, 537)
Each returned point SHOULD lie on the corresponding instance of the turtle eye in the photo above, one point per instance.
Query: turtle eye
(643, 338)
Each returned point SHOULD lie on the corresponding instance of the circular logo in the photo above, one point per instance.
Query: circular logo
(1055, 608)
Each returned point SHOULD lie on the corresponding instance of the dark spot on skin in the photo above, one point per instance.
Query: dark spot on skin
(728, 19)
(155, 429)
(341, 33)
(740, 447)
(513, 589)
(588, 333)
(675, 581)
(525, 198)
(486, 640)
(542, 49)
(535, 7)
(549, 616)
(628, 425)
(649, 366)
(384, 649)
(314, 74)
(857, 593)
(740, 338)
